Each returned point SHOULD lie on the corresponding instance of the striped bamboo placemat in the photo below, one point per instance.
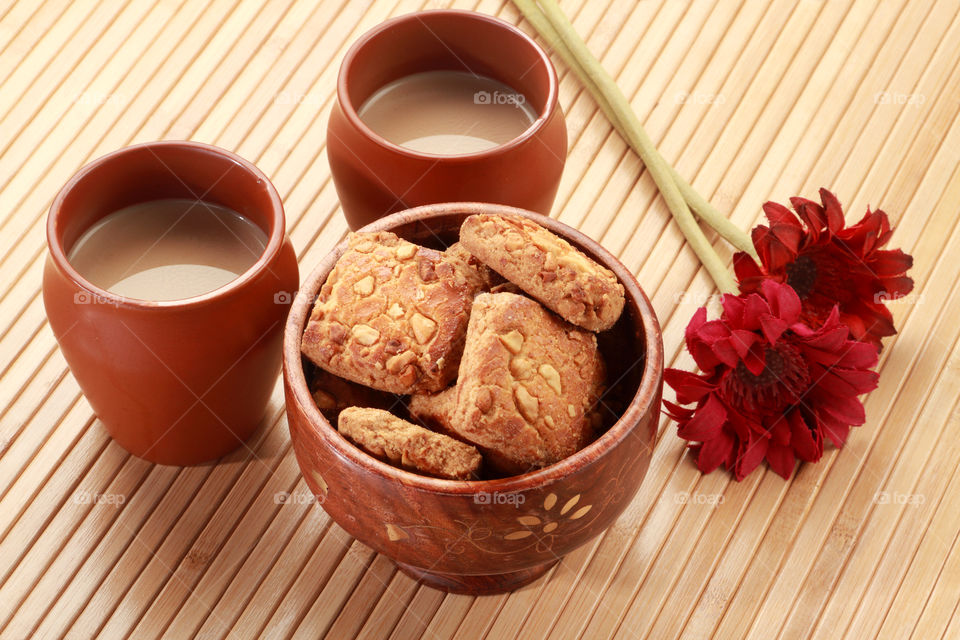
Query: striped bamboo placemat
(752, 99)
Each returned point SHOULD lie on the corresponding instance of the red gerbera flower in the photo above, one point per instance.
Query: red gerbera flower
(772, 385)
(830, 265)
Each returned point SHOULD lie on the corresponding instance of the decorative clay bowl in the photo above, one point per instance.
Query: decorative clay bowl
(483, 536)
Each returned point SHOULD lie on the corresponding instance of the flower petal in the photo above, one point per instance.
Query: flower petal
(857, 355)
(745, 268)
(781, 460)
(784, 301)
(837, 432)
(832, 210)
(688, 386)
(743, 341)
(706, 421)
(891, 262)
(784, 225)
(755, 308)
(750, 454)
(807, 443)
(714, 452)
(676, 412)
(773, 254)
(773, 328)
(836, 381)
(726, 352)
(812, 215)
(847, 410)
(828, 341)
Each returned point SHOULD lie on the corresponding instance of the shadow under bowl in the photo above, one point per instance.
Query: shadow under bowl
(484, 536)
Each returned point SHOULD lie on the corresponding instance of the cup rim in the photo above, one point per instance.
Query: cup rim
(350, 112)
(641, 402)
(270, 251)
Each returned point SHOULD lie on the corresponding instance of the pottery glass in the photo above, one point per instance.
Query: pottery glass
(374, 176)
(179, 381)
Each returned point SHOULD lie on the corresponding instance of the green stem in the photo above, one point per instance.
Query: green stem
(709, 214)
(561, 36)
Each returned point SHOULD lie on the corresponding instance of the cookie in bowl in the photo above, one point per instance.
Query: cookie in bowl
(392, 314)
(547, 267)
(384, 435)
(333, 394)
(528, 386)
(435, 410)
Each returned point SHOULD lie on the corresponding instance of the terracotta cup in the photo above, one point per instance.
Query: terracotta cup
(374, 176)
(484, 536)
(179, 381)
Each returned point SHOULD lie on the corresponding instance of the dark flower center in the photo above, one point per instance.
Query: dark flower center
(802, 275)
(781, 383)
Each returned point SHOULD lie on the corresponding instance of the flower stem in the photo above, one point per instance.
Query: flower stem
(560, 35)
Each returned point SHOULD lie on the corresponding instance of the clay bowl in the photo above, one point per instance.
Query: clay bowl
(483, 536)
(375, 177)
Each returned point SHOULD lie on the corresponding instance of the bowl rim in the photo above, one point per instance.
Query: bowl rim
(640, 403)
(350, 110)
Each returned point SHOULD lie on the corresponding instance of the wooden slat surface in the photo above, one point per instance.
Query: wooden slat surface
(752, 99)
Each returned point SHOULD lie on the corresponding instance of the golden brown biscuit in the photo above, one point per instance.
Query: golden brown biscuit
(507, 287)
(547, 267)
(333, 394)
(435, 409)
(382, 434)
(392, 315)
(482, 276)
(528, 384)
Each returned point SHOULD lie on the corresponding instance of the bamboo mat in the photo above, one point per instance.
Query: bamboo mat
(752, 99)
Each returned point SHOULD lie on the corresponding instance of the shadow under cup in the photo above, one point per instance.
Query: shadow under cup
(179, 381)
(375, 177)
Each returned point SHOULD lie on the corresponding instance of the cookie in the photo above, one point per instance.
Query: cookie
(434, 409)
(547, 267)
(382, 434)
(392, 315)
(333, 394)
(506, 287)
(479, 274)
(528, 385)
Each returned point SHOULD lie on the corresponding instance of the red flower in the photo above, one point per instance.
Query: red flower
(830, 265)
(772, 385)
